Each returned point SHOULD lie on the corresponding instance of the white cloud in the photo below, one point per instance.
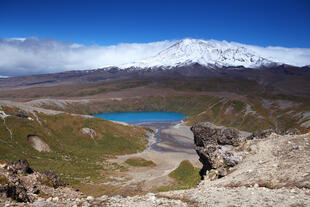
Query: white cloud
(22, 56)
(292, 56)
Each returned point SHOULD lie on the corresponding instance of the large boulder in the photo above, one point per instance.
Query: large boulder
(206, 145)
(206, 132)
(210, 141)
(38, 144)
(88, 131)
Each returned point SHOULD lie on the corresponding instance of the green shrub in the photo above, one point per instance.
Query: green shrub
(140, 162)
(3, 180)
(186, 176)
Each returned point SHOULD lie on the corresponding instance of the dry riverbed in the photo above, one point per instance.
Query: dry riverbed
(170, 145)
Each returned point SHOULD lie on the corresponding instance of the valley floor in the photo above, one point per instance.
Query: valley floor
(167, 149)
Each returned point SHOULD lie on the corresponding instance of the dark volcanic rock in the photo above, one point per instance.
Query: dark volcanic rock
(210, 141)
(292, 131)
(205, 138)
(207, 133)
(229, 136)
(15, 188)
(17, 191)
(22, 114)
(261, 134)
(51, 179)
(22, 184)
(20, 166)
(267, 132)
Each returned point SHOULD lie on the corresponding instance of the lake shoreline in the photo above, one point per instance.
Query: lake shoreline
(171, 133)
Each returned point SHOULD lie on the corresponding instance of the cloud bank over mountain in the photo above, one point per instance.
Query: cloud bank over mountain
(24, 56)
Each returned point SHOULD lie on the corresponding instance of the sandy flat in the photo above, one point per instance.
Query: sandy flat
(172, 152)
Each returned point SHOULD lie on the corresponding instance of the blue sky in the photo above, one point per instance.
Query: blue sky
(273, 22)
(62, 35)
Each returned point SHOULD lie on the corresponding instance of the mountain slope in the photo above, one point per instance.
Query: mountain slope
(205, 52)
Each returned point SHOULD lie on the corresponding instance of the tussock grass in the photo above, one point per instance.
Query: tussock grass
(74, 156)
(140, 162)
(186, 176)
(219, 110)
(3, 180)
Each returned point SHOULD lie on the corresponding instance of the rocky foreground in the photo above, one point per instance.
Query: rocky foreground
(260, 169)
(240, 169)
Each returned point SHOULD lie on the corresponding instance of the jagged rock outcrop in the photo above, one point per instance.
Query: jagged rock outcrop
(53, 180)
(206, 146)
(13, 187)
(275, 172)
(20, 166)
(21, 183)
(214, 144)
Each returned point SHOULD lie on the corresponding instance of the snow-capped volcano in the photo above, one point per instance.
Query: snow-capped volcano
(204, 52)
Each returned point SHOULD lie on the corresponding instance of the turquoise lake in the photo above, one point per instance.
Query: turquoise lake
(143, 117)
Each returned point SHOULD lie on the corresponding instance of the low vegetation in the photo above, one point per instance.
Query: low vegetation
(140, 162)
(185, 176)
(3, 180)
(248, 113)
(74, 156)
(229, 101)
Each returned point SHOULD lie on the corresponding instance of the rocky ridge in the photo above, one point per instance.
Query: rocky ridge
(21, 183)
(273, 170)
